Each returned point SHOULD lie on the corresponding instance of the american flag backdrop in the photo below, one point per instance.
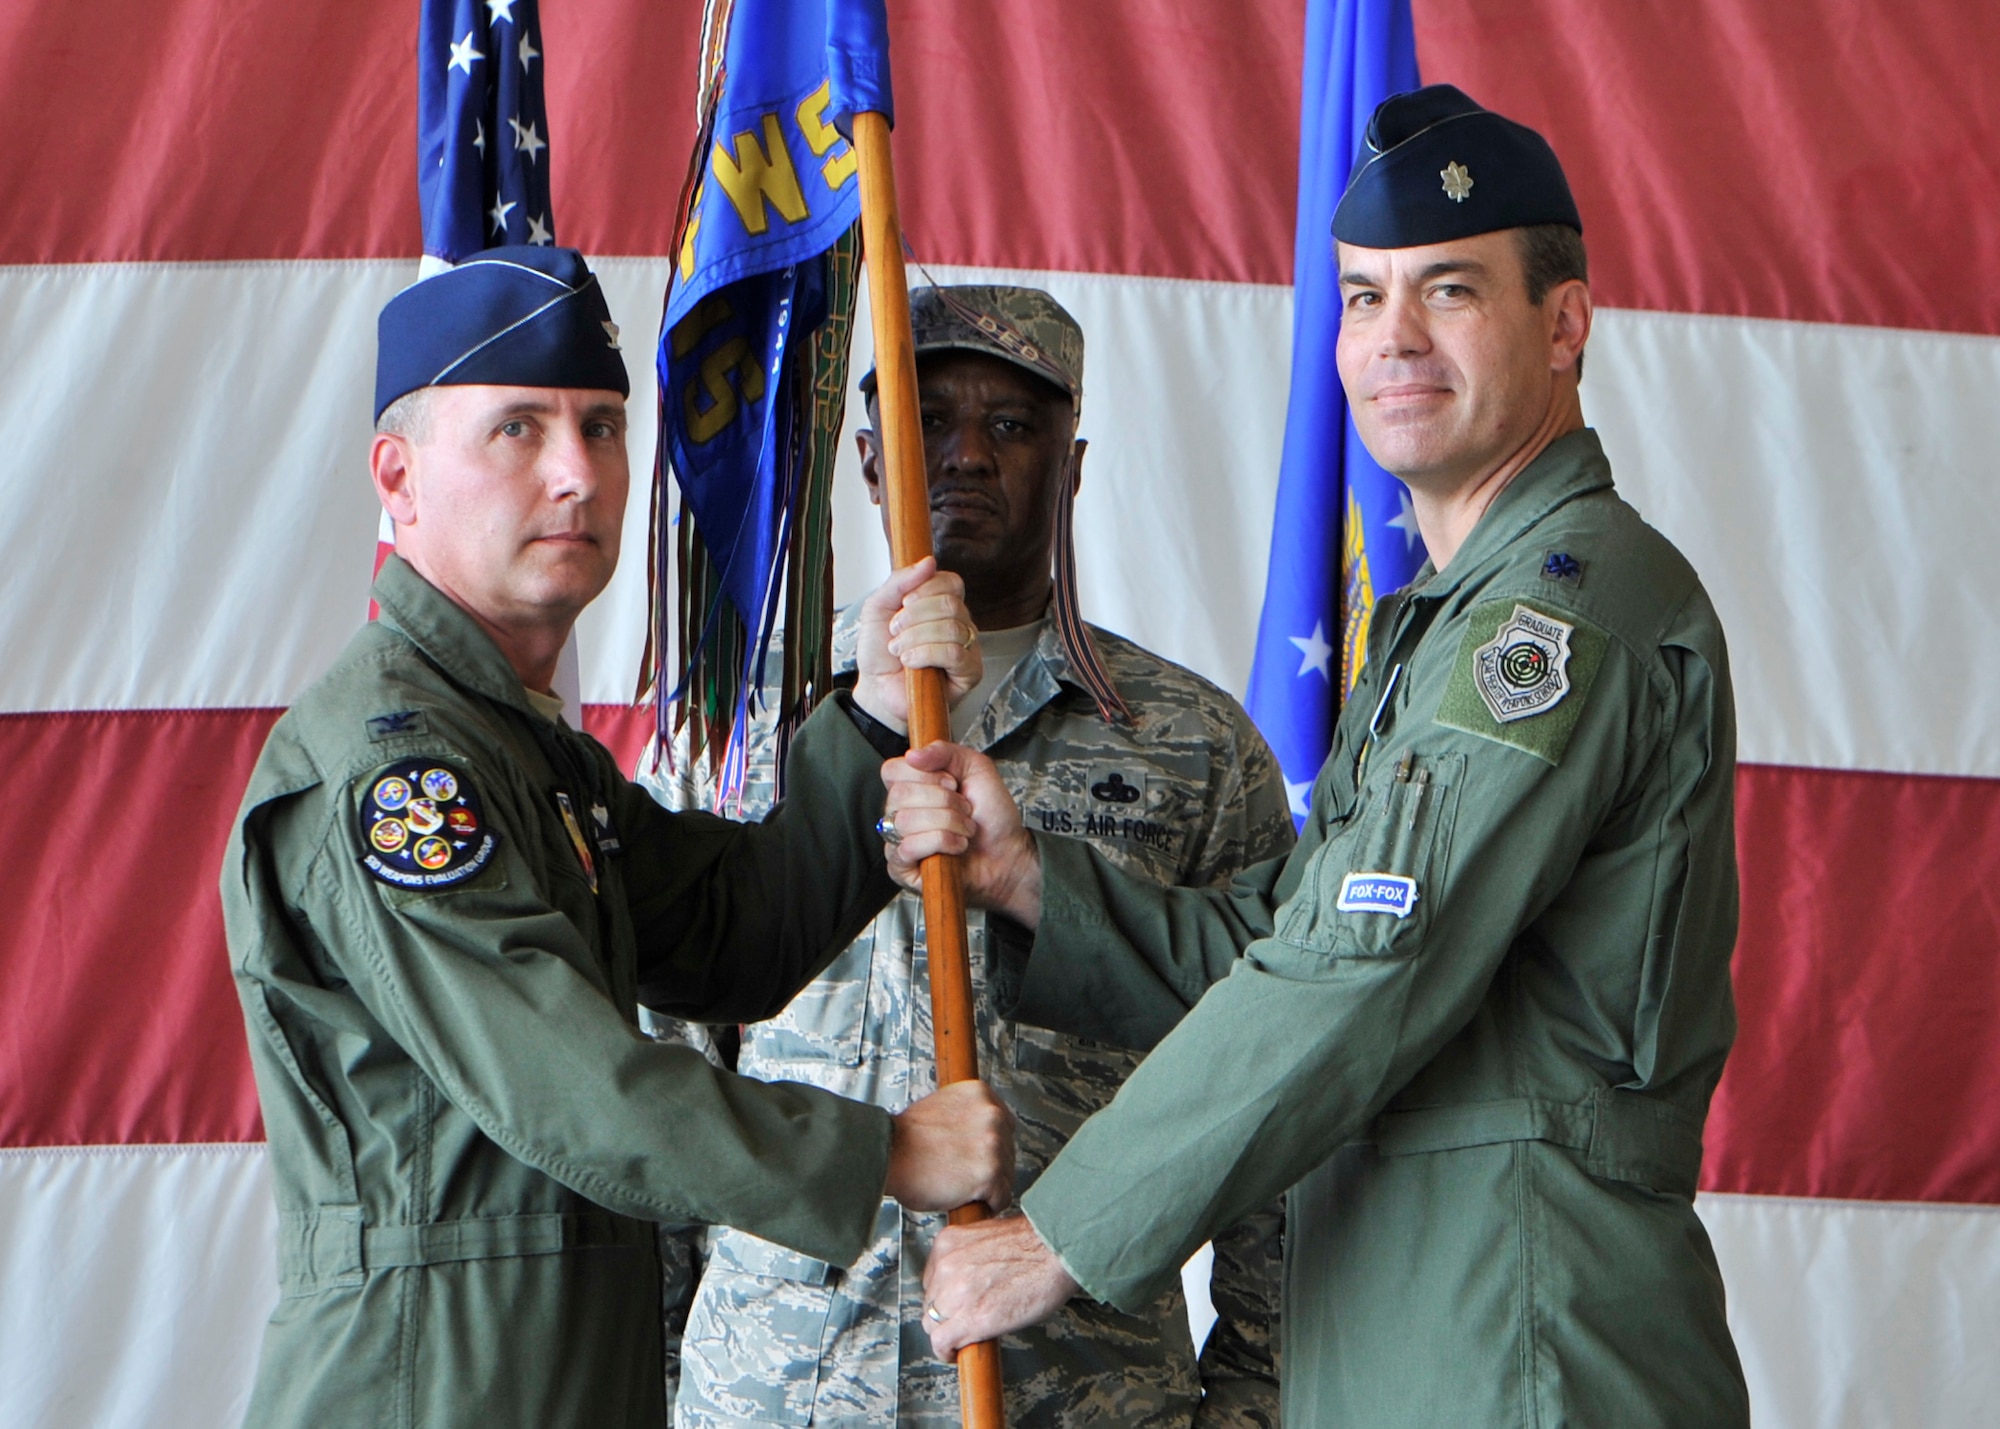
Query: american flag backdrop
(1791, 212)
(482, 127)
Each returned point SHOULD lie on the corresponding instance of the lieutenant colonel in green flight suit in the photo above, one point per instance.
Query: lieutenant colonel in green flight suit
(1475, 1020)
(444, 906)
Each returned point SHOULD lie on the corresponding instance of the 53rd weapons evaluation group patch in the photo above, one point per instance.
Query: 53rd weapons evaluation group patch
(422, 827)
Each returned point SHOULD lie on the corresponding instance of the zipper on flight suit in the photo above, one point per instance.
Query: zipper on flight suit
(1406, 631)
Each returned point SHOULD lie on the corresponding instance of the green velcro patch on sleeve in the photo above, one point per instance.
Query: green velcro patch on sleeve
(1522, 677)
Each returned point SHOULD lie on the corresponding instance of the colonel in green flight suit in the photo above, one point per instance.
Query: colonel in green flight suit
(444, 906)
(1475, 1020)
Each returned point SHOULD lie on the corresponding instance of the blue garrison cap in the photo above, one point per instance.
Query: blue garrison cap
(1438, 167)
(519, 316)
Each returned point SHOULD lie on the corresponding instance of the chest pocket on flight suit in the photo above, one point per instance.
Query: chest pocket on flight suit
(1386, 863)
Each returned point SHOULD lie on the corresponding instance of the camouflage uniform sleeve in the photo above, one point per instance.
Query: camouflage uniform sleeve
(680, 1274)
(1249, 821)
(678, 781)
(1240, 1370)
(683, 1249)
(1247, 818)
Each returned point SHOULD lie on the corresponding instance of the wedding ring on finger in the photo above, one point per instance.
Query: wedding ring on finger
(886, 827)
(933, 1311)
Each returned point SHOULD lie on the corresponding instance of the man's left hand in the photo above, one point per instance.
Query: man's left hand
(989, 1279)
(914, 620)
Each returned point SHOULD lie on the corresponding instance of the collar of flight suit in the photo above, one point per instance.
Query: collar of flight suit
(448, 637)
(1572, 465)
(1041, 676)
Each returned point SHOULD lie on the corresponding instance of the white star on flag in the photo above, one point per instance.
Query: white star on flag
(538, 231)
(498, 10)
(463, 54)
(1407, 522)
(1297, 794)
(498, 213)
(1315, 650)
(527, 140)
(478, 137)
(528, 51)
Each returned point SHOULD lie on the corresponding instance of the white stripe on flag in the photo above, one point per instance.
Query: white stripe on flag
(1859, 1314)
(138, 1282)
(1832, 485)
(139, 1279)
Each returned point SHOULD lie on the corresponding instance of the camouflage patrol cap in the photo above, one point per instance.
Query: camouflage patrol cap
(1024, 326)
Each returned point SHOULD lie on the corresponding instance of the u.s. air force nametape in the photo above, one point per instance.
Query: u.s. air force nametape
(1377, 893)
(421, 825)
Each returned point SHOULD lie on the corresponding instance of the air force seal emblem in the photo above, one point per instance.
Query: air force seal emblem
(429, 840)
(1524, 669)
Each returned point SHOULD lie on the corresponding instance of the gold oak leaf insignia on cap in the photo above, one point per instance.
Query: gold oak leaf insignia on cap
(1457, 181)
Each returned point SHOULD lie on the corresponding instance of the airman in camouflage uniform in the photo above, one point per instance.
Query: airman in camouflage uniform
(1183, 792)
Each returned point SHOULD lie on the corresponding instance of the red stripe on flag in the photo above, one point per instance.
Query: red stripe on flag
(179, 129)
(1042, 134)
(1865, 1067)
(1159, 139)
(118, 1019)
(1868, 988)
(622, 729)
(1724, 156)
(1830, 162)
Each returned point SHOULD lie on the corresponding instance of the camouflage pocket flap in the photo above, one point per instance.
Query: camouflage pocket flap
(739, 1250)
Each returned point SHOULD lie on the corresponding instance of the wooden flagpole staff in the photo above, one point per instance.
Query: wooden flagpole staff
(909, 542)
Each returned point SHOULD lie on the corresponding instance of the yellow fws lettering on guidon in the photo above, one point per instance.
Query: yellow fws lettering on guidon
(822, 136)
(733, 356)
(760, 178)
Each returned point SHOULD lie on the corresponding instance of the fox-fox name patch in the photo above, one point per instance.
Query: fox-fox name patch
(422, 827)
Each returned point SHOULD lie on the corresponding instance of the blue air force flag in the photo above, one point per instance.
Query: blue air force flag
(482, 127)
(1344, 532)
(778, 188)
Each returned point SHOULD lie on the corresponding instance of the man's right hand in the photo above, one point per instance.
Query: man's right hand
(952, 1148)
(945, 798)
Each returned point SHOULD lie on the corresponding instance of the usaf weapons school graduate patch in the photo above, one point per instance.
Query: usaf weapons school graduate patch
(422, 827)
(1521, 677)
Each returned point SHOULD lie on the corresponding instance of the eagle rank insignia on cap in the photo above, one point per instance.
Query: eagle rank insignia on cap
(422, 827)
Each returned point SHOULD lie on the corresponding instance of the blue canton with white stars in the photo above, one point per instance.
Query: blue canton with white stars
(482, 127)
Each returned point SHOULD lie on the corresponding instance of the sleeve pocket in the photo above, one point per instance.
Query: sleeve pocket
(1372, 887)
